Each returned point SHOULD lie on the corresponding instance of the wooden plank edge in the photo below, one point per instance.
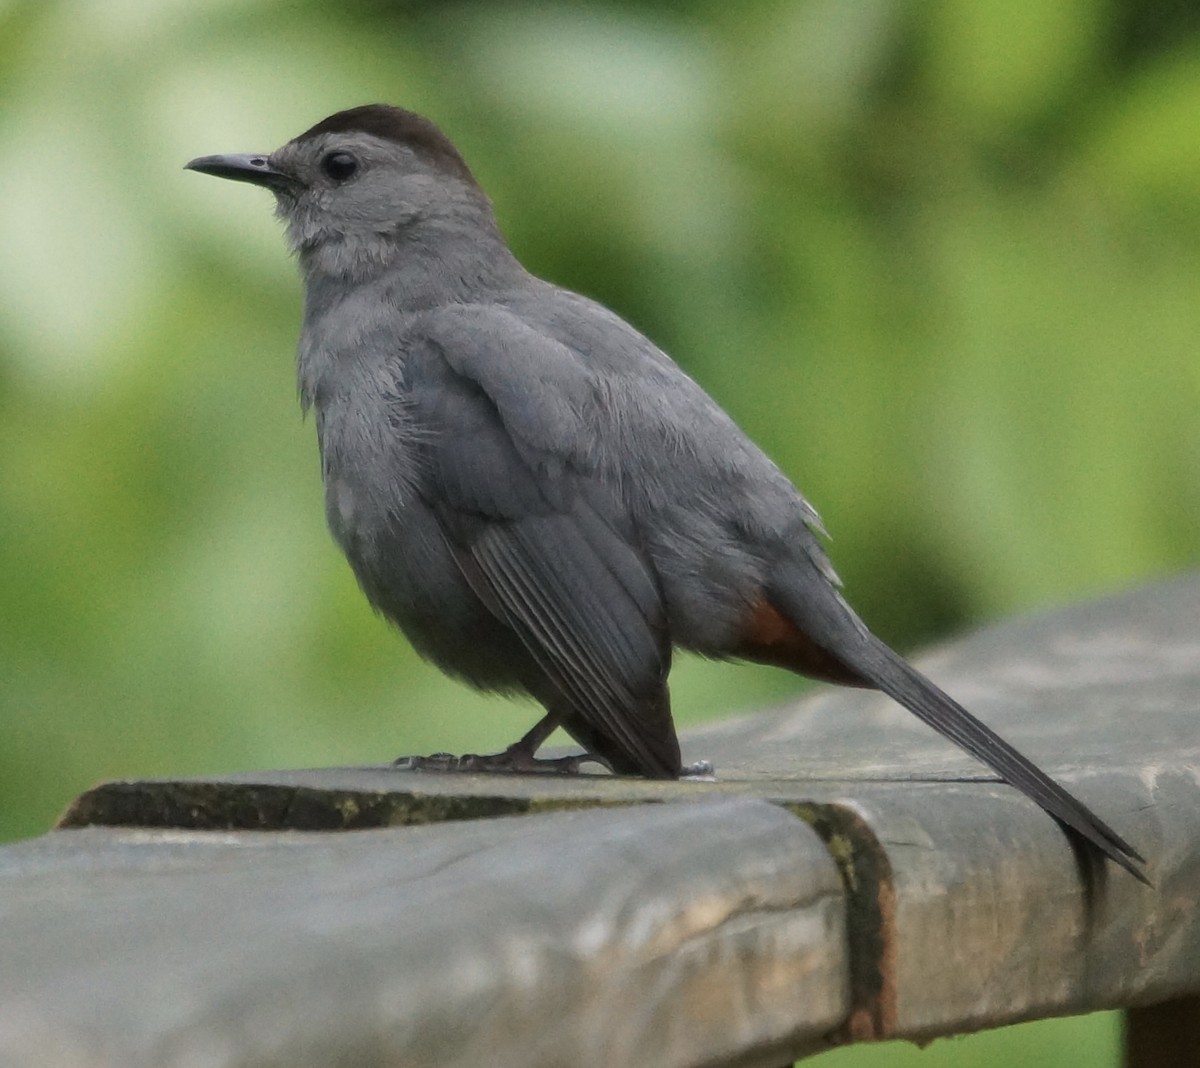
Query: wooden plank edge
(223, 806)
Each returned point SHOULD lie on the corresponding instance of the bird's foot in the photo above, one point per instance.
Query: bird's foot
(514, 760)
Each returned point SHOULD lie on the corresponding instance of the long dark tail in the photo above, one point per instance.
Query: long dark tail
(835, 626)
(903, 683)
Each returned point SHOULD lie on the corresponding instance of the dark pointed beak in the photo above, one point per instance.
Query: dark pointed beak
(250, 167)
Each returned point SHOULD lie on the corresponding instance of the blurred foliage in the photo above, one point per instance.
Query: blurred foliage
(1092, 1040)
(941, 259)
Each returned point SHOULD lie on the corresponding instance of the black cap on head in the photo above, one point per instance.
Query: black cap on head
(403, 127)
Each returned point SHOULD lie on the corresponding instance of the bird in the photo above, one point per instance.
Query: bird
(540, 498)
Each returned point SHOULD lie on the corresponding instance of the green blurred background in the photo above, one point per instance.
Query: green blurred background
(941, 259)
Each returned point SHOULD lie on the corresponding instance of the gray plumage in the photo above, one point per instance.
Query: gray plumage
(531, 490)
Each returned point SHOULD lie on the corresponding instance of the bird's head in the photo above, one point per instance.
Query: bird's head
(357, 185)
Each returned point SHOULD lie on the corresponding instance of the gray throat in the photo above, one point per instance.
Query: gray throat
(424, 259)
(360, 286)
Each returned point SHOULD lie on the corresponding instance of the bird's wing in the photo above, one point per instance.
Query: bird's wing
(541, 541)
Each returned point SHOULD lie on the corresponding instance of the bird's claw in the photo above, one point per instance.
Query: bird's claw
(512, 761)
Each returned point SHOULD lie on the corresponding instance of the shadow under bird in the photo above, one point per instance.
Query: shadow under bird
(532, 491)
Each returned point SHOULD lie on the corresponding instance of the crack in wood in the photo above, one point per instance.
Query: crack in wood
(870, 918)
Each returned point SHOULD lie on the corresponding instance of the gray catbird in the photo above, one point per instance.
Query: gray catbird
(540, 498)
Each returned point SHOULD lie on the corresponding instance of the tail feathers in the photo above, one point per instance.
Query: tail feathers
(904, 684)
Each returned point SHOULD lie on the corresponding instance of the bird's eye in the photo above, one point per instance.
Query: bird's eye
(339, 166)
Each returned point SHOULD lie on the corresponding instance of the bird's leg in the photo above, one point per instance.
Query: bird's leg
(518, 757)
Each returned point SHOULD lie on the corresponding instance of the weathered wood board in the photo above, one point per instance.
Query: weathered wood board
(965, 906)
(667, 935)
